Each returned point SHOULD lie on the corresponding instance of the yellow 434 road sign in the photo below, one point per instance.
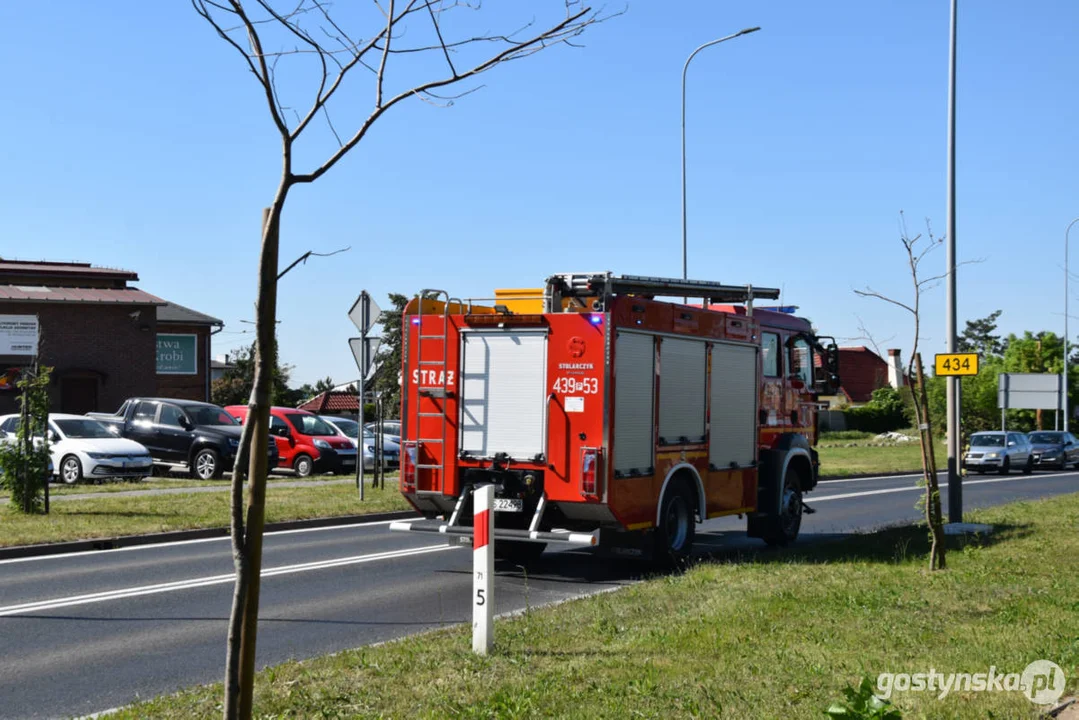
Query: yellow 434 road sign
(956, 364)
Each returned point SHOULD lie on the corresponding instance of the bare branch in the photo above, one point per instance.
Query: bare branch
(310, 253)
(873, 294)
(567, 28)
(868, 336)
(357, 58)
(385, 54)
(263, 72)
(441, 41)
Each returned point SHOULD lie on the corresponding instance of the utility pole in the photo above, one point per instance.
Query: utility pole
(955, 490)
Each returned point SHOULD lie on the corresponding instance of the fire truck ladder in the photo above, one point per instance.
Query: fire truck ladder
(435, 391)
(603, 285)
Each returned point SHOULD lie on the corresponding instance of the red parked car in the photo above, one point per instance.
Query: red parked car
(305, 442)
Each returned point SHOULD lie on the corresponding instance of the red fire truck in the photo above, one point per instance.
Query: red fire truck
(600, 411)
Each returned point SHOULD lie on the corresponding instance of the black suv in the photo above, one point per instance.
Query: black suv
(199, 435)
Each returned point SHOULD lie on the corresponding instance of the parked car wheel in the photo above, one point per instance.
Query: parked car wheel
(303, 465)
(70, 470)
(1029, 467)
(1006, 466)
(206, 465)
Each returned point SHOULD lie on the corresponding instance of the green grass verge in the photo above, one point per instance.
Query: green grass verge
(836, 460)
(760, 635)
(111, 515)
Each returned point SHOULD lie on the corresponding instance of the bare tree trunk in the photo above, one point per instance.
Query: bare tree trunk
(259, 416)
(26, 449)
(239, 561)
(933, 514)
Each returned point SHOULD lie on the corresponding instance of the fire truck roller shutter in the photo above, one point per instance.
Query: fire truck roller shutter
(634, 377)
(503, 386)
(681, 391)
(734, 406)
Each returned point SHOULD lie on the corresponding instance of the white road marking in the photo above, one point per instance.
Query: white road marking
(209, 580)
(150, 546)
(908, 488)
(873, 477)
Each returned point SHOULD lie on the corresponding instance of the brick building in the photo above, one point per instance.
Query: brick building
(101, 336)
(861, 371)
(178, 325)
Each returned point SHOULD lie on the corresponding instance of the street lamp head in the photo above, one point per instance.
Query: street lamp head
(747, 31)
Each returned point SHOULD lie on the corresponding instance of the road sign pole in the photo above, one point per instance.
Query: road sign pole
(364, 313)
(483, 569)
(365, 320)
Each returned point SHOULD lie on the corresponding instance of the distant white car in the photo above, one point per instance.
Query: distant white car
(82, 447)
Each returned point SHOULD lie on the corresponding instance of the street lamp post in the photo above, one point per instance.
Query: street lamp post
(955, 489)
(684, 69)
(1065, 398)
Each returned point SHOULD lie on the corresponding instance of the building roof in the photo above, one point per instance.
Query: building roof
(46, 268)
(170, 312)
(89, 296)
(333, 401)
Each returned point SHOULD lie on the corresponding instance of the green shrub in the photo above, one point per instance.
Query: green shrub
(885, 412)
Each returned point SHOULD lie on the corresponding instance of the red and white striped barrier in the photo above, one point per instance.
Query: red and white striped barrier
(483, 569)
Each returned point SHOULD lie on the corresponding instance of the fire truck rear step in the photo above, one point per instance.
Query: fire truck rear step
(562, 537)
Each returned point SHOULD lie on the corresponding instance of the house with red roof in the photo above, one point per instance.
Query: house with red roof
(861, 371)
(105, 339)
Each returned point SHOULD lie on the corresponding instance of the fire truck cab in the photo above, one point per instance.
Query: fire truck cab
(601, 412)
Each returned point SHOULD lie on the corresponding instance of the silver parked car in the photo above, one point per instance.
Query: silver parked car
(999, 450)
(391, 451)
(1053, 449)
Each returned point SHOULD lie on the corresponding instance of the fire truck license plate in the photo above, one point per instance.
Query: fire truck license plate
(509, 505)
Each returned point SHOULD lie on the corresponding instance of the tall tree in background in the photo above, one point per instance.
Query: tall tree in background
(430, 49)
(235, 384)
(978, 337)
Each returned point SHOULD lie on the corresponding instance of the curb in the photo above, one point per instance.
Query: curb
(113, 543)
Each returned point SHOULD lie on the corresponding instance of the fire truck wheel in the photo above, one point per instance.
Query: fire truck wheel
(674, 536)
(784, 528)
(519, 553)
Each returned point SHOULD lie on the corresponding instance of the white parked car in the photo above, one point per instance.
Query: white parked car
(81, 448)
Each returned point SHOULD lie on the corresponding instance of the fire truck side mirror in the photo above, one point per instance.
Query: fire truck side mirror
(826, 374)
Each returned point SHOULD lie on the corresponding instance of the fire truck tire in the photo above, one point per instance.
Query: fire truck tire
(677, 525)
(782, 529)
(519, 553)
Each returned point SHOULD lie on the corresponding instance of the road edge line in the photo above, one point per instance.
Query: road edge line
(114, 543)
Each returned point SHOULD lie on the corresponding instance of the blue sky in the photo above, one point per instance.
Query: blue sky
(133, 137)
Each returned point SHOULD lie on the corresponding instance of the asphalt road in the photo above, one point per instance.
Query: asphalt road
(85, 632)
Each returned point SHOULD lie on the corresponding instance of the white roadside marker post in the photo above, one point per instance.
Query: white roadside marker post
(483, 569)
